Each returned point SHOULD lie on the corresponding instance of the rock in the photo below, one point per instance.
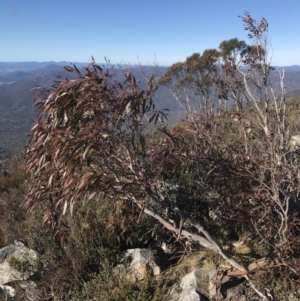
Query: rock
(136, 264)
(295, 140)
(20, 290)
(200, 285)
(29, 288)
(195, 286)
(7, 292)
(189, 294)
(17, 265)
(234, 292)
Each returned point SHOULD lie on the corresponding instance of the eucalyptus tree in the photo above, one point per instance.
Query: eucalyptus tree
(90, 143)
(191, 82)
(230, 85)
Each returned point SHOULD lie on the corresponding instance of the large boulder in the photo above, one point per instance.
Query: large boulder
(17, 264)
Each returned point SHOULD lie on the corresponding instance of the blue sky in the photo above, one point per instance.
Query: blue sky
(129, 30)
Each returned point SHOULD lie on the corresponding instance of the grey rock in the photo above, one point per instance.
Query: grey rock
(17, 253)
(17, 264)
(295, 140)
(195, 286)
(28, 290)
(6, 251)
(136, 264)
(8, 292)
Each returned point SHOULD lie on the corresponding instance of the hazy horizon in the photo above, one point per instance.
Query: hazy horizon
(102, 62)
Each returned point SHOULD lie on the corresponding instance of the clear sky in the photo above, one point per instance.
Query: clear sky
(124, 30)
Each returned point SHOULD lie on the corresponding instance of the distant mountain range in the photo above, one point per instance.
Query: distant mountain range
(289, 68)
(29, 66)
(17, 81)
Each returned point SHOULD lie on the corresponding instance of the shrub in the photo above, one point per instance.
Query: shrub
(231, 173)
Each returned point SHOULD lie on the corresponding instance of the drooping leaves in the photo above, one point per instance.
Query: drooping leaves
(82, 142)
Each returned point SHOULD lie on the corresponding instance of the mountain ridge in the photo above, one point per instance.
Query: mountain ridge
(17, 93)
(34, 65)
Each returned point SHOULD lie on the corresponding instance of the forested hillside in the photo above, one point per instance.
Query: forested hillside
(17, 111)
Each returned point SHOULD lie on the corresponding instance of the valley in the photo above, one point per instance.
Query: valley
(18, 80)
